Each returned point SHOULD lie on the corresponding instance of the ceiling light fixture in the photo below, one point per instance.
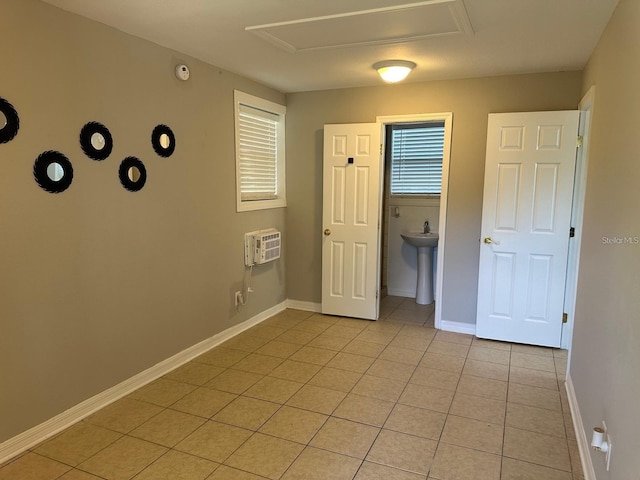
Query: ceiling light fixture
(392, 71)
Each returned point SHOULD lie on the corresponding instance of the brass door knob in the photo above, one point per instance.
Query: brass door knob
(327, 231)
(490, 240)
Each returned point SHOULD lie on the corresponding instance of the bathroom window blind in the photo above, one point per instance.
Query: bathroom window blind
(416, 158)
(258, 153)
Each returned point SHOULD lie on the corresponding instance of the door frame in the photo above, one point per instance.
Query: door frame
(577, 217)
(385, 120)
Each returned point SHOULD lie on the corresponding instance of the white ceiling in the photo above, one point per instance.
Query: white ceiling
(301, 45)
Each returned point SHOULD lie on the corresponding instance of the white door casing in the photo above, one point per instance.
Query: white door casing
(526, 215)
(350, 220)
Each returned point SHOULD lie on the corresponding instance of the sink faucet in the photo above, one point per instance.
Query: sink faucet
(427, 229)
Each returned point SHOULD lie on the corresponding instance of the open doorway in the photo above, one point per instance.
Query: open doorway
(406, 207)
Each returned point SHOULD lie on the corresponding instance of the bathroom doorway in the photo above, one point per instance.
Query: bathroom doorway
(407, 207)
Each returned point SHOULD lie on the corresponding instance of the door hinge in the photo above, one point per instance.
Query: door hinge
(572, 232)
(376, 294)
(380, 149)
(565, 318)
(579, 142)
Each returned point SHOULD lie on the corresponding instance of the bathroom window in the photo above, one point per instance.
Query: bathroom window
(416, 158)
(260, 160)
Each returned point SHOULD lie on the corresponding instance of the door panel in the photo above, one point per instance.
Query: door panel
(351, 196)
(526, 215)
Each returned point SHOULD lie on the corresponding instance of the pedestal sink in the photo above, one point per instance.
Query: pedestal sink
(424, 242)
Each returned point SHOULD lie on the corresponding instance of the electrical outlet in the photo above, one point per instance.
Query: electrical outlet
(238, 298)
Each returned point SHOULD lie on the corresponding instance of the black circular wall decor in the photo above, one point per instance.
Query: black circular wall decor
(132, 174)
(9, 121)
(96, 141)
(163, 141)
(53, 171)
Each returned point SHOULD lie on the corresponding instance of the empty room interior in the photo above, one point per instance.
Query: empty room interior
(232, 248)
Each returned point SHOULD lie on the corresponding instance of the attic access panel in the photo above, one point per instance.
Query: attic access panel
(400, 23)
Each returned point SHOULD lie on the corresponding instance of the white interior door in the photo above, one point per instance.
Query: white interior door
(526, 213)
(350, 220)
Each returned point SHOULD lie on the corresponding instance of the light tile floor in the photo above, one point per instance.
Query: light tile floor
(307, 396)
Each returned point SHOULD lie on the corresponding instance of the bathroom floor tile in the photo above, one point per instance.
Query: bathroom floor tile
(294, 424)
(391, 370)
(406, 452)
(439, 361)
(402, 355)
(234, 381)
(365, 349)
(537, 448)
(124, 415)
(32, 466)
(490, 355)
(518, 470)
(483, 387)
(316, 399)
(78, 443)
(168, 427)
(345, 437)
(416, 421)
(214, 441)
(195, 373)
(256, 363)
(380, 388)
(265, 455)
(358, 408)
(272, 389)
(351, 362)
(221, 357)
(279, 349)
(245, 412)
(375, 471)
(471, 433)
(534, 378)
(534, 397)
(435, 378)
(163, 392)
(458, 463)
(204, 402)
(479, 408)
(123, 459)
(335, 379)
(535, 419)
(310, 396)
(316, 464)
(427, 397)
(295, 371)
(493, 371)
(175, 465)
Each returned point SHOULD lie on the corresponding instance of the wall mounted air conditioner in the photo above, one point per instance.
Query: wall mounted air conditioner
(262, 246)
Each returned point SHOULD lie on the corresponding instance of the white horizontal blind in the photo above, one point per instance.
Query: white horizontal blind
(258, 143)
(416, 158)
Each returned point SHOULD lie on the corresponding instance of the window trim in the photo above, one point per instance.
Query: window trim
(242, 98)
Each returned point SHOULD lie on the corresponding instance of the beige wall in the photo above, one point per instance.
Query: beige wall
(606, 344)
(97, 283)
(470, 101)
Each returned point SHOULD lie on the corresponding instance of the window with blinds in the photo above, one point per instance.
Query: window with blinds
(259, 153)
(416, 152)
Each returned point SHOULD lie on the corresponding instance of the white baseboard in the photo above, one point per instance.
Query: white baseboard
(581, 435)
(396, 292)
(306, 306)
(459, 327)
(18, 444)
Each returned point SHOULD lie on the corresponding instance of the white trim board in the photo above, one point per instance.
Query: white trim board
(18, 444)
(458, 327)
(306, 306)
(581, 435)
